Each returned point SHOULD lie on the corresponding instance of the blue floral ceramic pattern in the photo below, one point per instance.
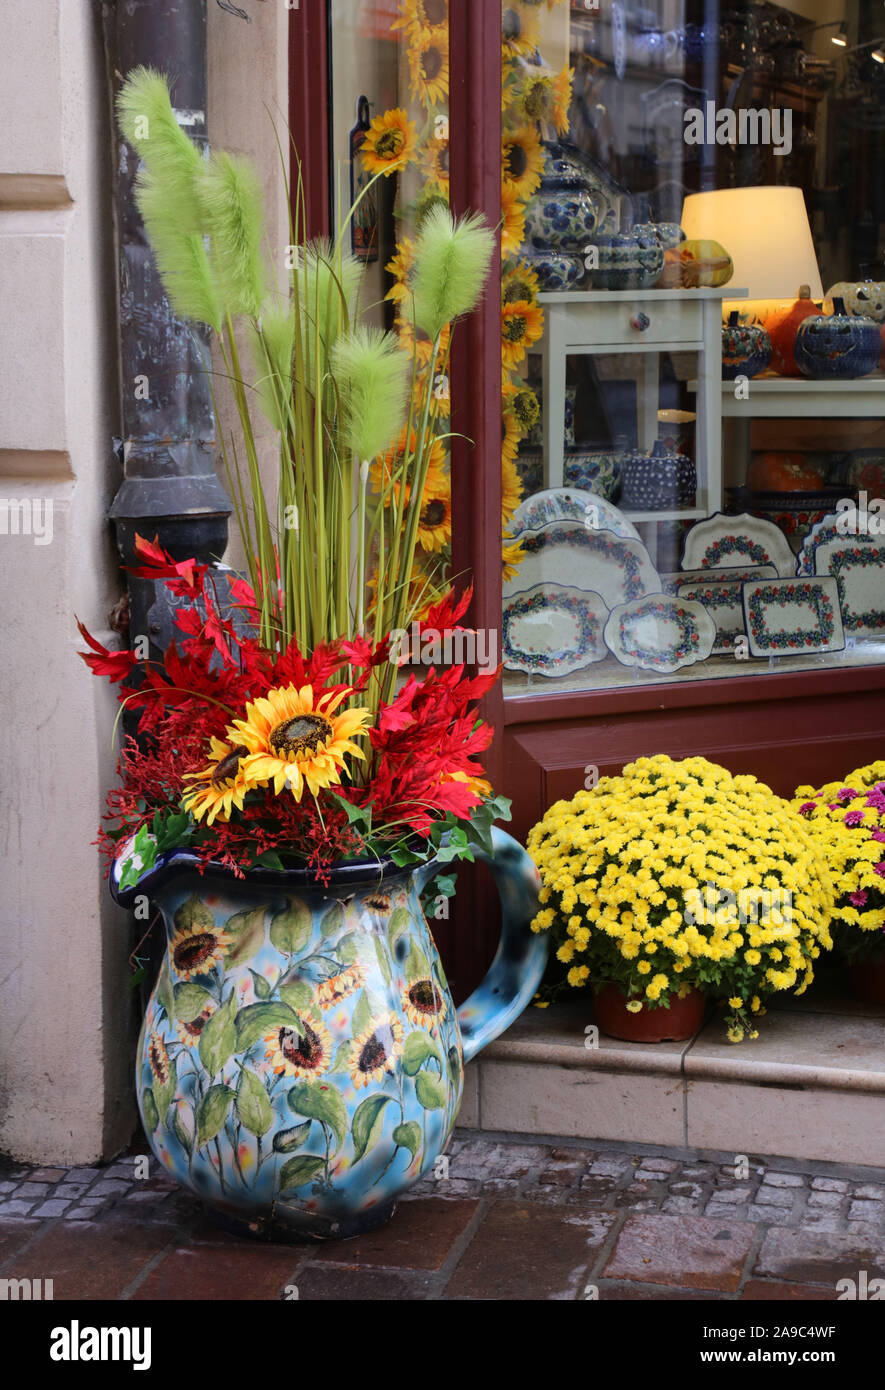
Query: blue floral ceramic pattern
(563, 215)
(603, 543)
(586, 610)
(837, 344)
(734, 545)
(869, 620)
(762, 601)
(301, 1060)
(718, 599)
(695, 633)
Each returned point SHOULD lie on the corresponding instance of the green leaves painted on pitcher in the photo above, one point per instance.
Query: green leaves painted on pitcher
(416, 1050)
(218, 1038)
(322, 1103)
(367, 1124)
(431, 1091)
(247, 931)
(255, 1020)
(212, 1113)
(290, 930)
(408, 1136)
(296, 1172)
(254, 1110)
(189, 1001)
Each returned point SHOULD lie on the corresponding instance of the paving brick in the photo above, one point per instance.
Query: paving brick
(109, 1188)
(246, 1271)
(49, 1175)
(703, 1171)
(680, 1204)
(597, 1185)
(346, 1282)
(6, 1187)
(716, 1212)
(829, 1185)
(51, 1208)
(660, 1165)
(756, 1213)
(650, 1175)
(70, 1190)
(633, 1203)
(686, 1189)
(15, 1206)
(829, 1200)
(89, 1260)
(775, 1196)
(783, 1180)
(562, 1174)
(773, 1291)
(690, 1251)
(530, 1251)
(612, 1167)
(864, 1211)
(482, 1160)
(420, 1235)
(823, 1221)
(30, 1191)
(732, 1196)
(817, 1257)
(621, 1290)
(15, 1234)
(83, 1174)
(871, 1191)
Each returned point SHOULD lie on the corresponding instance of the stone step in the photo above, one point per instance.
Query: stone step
(811, 1086)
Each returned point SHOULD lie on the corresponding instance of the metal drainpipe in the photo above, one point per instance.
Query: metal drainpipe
(169, 487)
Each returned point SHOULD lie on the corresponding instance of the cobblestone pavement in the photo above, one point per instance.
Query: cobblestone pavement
(508, 1220)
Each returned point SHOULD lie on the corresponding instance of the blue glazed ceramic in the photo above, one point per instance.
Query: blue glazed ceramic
(626, 261)
(301, 1060)
(596, 471)
(556, 270)
(654, 481)
(746, 348)
(562, 216)
(837, 344)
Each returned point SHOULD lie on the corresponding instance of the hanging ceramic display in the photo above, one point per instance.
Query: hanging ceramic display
(721, 541)
(660, 633)
(553, 630)
(658, 480)
(746, 349)
(837, 344)
(863, 298)
(791, 616)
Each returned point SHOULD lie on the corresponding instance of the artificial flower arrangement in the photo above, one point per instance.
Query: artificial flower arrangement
(280, 731)
(654, 881)
(848, 820)
(414, 144)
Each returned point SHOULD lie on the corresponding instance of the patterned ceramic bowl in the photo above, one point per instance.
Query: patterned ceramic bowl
(563, 216)
(556, 270)
(659, 480)
(627, 261)
(594, 471)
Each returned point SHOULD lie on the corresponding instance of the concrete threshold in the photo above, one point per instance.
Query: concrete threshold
(811, 1086)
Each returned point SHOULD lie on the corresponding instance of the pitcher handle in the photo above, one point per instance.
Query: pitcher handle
(516, 971)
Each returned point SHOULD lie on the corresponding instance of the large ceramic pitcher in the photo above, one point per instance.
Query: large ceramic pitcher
(301, 1060)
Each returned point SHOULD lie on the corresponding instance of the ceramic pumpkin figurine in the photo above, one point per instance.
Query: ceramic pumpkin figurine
(781, 323)
(862, 298)
(783, 472)
(746, 349)
(695, 263)
(837, 345)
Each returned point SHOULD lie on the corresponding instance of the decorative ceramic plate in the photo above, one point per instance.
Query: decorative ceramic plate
(724, 603)
(552, 630)
(787, 616)
(571, 504)
(564, 552)
(850, 526)
(866, 469)
(857, 566)
(660, 633)
(723, 541)
(732, 574)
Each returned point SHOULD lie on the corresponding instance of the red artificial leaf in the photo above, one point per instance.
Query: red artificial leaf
(115, 665)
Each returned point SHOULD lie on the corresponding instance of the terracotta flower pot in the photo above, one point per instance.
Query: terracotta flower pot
(681, 1020)
(868, 981)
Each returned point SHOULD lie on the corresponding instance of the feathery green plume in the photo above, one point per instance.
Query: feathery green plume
(180, 255)
(450, 262)
(272, 347)
(172, 160)
(328, 285)
(373, 382)
(233, 217)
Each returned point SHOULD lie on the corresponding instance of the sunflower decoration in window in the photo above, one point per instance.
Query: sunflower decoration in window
(412, 142)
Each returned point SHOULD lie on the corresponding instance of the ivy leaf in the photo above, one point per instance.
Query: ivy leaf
(286, 1141)
(219, 1036)
(290, 930)
(141, 857)
(270, 859)
(431, 1092)
(193, 914)
(247, 930)
(322, 1103)
(149, 1110)
(255, 1020)
(189, 1001)
(416, 1050)
(408, 1136)
(253, 1107)
(367, 1124)
(297, 1172)
(212, 1112)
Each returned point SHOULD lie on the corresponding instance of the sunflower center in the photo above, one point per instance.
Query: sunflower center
(423, 997)
(434, 12)
(228, 765)
(517, 161)
(304, 1049)
(390, 144)
(194, 950)
(373, 1054)
(536, 99)
(301, 736)
(515, 330)
(158, 1063)
(434, 514)
(431, 63)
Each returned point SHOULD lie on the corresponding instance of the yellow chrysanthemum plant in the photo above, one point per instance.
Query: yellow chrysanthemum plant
(847, 819)
(678, 875)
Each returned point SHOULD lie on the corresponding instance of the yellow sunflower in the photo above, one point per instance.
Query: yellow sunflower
(196, 949)
(221, 786)
(295, 738)
(375, 1051)
(522, 403)
(422, 1002)
(158, 1058)
(399, 268)
(522, 160)
(522, 324)
(512, 220)
(435, 522)
(511, 488)
(429, 17)
(562, 99)
(519, 32)
(509, 437)
(429, 68)
(519, 281)
(302, 1051)
(190, 1032)
(346, 982)
(386, 469)
(435, 164)
(390, 142)
(512, 556)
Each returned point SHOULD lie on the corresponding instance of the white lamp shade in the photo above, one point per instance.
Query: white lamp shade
(766, 233)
